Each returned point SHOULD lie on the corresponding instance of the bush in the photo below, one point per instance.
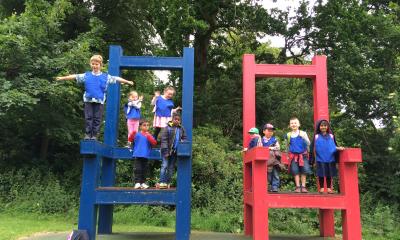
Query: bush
(31, 191)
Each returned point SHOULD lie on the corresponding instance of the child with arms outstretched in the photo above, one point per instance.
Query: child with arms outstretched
(95, 83)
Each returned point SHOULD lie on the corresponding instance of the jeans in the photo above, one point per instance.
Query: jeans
(167, 168)
(93, 116)
(273, 178)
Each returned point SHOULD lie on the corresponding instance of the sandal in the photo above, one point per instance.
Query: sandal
(330, 191)
(297, 190)
(321, 190)
(304, 190)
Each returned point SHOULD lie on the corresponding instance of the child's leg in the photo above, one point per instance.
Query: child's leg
(97, 117)
(163, 170)
(139, 170)
(297, 180)
(156, 132)
(269, 179)
(321, 182)
(303, 180)
(275, 181)
(171, 167)
(88, 110)
(133, 126)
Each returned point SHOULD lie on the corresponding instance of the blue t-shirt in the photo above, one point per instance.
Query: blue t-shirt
(297, 145)
(141, 146)
(131, 112)
(270, 142)
(325, 148)
(164, 107)
(95, 85)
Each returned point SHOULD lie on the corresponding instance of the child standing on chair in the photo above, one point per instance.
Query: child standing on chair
(255, 139)
(164, 108)
(272, 144)
(171, 135)
(298, 145)
(132, 112)
(143, 141)
(324, 149)
(95, 83)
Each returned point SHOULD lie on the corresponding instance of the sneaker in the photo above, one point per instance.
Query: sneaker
(137, 186)
(144, 186)
(274, 190)
(93, 138)
(163, 186)
(297, 190)
(304, 190)
(87, 137)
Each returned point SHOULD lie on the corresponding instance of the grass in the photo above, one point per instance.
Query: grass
(14, 226)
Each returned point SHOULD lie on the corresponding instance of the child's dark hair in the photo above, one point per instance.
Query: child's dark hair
(176, 115)
(142, 121)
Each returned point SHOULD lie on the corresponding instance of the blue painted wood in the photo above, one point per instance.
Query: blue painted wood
(90, 147)
(184, 149)
(125, 153)
(131, 196)
(101, 149)
(154, 63)
(102, 194)
(87, 207)
(110, 137)
(184, 172)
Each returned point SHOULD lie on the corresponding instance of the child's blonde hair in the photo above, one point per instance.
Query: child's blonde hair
(97, 58)
(131, 93)
(169, 88)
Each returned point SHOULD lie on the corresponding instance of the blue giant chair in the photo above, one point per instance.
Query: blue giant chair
(98, 194)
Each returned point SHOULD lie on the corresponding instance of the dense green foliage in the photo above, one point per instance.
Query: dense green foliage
(41, 120)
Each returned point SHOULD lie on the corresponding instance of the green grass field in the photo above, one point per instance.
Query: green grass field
(15, 226)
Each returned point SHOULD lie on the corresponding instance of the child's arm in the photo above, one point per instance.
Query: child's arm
(121, 80)
(183, 137)
(136, 104)
(131, 136)
(176, 109)
(151, 139)
(305, 138)
(64, 78)
(154, 99)
(277, 147)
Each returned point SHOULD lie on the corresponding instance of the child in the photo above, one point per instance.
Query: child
(298, 145)
(164, 108)
(95, 83)
(170, 137)
(272, 143)
(255, 139)
(324, 148)
(143, 141)
(132, 112)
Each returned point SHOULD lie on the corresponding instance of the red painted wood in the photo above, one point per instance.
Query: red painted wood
(257, 200)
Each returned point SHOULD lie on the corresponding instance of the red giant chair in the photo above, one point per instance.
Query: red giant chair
(257, 201)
